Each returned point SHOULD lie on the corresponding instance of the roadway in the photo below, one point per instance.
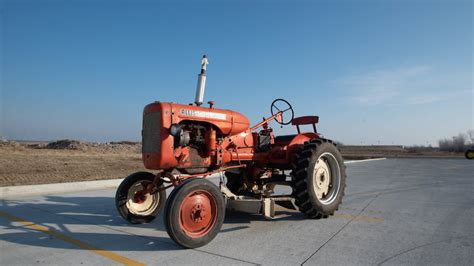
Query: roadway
(396, 211)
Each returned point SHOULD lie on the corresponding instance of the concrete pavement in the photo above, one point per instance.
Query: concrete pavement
(396, 211)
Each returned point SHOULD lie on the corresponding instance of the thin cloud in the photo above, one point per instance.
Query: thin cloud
(414, 85)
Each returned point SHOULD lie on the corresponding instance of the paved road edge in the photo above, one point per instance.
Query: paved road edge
(31, 190)
(27, 190)
(365, 160)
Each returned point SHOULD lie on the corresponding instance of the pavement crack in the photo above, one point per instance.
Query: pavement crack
(227, 257)
(340, 229)
(420, 246)
(378, 193)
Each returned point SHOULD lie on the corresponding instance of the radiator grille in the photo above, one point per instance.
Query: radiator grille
(151, 132)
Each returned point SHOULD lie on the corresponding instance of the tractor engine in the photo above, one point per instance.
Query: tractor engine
(189, 134)
(187, 137)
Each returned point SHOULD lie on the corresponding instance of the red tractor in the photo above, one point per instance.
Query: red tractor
(185, 144)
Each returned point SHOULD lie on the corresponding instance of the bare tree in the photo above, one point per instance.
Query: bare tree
(458, 143)
(444, 144)
(470, 133)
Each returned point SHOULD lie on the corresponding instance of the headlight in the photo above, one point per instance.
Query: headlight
(175, 130)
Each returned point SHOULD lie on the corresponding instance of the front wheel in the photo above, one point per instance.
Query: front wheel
(133, 203)
(194, 213)
(319, 178)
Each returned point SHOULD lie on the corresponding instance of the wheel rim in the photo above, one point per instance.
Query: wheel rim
(139, 202)
(326, 178)
(198, 213)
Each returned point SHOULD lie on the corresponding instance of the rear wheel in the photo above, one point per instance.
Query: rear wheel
(133, 203)
(319, 178)
(194, 213)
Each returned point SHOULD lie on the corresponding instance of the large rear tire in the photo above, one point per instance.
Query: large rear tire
(133, 204)
(319, 178)
(194, 213)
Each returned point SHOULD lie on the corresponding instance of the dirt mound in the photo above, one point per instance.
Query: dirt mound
(66, 144)
(117, 147)
(125, 142)
(109, 147)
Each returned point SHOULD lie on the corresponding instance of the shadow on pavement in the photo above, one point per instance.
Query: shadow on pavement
(79, 217)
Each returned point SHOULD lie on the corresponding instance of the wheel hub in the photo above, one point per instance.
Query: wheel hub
(139, 201)
(198, 213)
(322, 178)
(140, 197)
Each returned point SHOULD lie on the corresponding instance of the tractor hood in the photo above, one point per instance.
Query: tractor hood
(227, 122)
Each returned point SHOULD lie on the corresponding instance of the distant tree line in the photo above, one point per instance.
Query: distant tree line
(457, 143)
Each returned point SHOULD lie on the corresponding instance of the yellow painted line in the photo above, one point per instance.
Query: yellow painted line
(358, 218)
(107, 254)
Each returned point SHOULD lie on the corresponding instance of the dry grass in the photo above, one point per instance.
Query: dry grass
(25, 166)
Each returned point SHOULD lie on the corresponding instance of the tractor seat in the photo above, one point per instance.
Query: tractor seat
(305, 120)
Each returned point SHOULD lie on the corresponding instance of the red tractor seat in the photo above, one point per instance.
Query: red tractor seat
(305, 120)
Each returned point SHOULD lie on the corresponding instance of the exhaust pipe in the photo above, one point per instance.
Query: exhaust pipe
(201, 84)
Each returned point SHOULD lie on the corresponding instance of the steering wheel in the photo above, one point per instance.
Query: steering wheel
(281, 105)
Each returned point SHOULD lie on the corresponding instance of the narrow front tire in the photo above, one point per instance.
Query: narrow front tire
(194, 213)
(133, 203)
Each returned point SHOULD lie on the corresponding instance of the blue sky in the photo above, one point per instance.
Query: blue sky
(374, 71)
